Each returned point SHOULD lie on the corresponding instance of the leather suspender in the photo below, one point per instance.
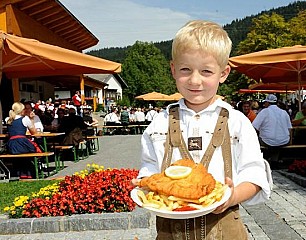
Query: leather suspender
(220, 137)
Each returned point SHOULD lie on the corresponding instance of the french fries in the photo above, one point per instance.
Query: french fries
(170, 203)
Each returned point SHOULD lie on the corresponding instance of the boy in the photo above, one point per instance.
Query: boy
(200, 53)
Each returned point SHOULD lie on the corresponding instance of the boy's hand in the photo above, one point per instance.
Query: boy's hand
(135, 182)
(230, 201)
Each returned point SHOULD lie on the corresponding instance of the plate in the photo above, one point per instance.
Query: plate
(182, 214)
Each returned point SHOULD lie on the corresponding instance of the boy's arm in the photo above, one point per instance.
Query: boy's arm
(241, 193)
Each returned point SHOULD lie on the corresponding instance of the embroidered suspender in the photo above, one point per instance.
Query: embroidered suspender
(220, 137)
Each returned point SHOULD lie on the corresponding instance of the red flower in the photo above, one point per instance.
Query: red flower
(98, 192)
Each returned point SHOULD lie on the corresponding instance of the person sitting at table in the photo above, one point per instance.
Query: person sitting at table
(151, 114)
(56, 122)
(112, 119)
(300, 120)
(17, 125)
(72, 125)
(125, 119)
(273, 126)
(247, 111)
(90, 121)
(33, 117)
(140, 120)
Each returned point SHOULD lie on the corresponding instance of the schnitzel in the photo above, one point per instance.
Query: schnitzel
(197, 184)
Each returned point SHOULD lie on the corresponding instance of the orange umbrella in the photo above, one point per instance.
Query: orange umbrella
(153, 96)
(275, 86)
(263, 91)
(24, 57)
(176, 96)
(281, 65)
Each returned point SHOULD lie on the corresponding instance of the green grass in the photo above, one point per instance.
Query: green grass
(10, 190)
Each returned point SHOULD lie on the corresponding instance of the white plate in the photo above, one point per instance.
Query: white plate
(182, 214)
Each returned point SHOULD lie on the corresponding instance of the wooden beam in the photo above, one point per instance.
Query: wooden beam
(15, 86)
(82, 81)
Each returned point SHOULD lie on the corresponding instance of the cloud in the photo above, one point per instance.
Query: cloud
(119, 23)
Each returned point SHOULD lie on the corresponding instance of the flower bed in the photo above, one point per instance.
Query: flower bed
(298, 167)
(94, 190)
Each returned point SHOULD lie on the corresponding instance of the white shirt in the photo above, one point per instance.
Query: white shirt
(151, 115)
(26, 121)
(248, 163)
(111, 117)
(140, 116)
(273, 125)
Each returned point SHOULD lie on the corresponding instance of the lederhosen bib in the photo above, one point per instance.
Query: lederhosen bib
(227, 225)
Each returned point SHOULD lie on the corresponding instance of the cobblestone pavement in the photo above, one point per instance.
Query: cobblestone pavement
(280, 218)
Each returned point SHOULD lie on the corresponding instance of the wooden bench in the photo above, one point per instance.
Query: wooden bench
(35, 156)
(94, 142)
(293, 146)
(59, 149)
(281, 148)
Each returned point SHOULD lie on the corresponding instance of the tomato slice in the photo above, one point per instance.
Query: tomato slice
(185, 208)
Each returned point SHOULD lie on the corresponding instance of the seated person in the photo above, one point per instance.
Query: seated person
(125, 120)
(247, 111)
(33, 117)
(72, 125)
(299, 136)
(112, 118)
(17, 125)
(89, 121)
(151, 114)
(273, 127)
(57, 119)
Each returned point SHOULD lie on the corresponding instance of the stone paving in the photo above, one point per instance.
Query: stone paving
(282, 217)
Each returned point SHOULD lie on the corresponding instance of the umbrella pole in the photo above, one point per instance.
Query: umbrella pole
(1, 115)
(299, 83)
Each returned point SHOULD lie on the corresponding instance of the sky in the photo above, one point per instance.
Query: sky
(120, 23)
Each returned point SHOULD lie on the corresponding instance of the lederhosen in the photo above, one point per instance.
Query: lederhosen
(227, 225)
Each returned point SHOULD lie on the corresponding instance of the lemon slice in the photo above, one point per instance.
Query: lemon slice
(178, 172)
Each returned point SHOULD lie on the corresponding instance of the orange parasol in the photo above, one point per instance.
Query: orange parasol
(281, 65)
(24, 57)
(153, 96)
(176, 96)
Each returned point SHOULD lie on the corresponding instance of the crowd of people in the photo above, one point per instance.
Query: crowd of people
(26, 119)
(124, 116)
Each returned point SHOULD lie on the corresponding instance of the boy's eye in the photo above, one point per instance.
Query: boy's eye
(185, 69)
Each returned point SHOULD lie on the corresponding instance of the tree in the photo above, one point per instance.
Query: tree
(145, 69)
(298, 29)
(266, 32)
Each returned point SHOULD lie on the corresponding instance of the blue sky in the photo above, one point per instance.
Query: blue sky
(119, 23)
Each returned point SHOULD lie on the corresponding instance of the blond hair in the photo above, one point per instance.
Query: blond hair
(203, 35)
(17, 108)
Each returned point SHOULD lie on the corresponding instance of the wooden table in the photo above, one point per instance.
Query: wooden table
(3, 135)
(294, 128)
(44, 136)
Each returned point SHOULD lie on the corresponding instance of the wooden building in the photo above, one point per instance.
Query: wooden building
(50, 22)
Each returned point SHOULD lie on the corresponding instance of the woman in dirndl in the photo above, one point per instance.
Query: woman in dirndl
(18, 143)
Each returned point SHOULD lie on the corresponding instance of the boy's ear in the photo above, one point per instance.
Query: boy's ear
(225, 73)
(172, 67)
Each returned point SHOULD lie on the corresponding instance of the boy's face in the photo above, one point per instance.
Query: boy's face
(197, 76)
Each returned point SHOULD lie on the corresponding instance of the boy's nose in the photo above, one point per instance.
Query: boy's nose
(195, 78)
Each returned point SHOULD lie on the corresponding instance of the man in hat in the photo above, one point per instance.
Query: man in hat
(273, 127)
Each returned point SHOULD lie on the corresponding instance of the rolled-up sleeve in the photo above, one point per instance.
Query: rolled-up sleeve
(250, 165)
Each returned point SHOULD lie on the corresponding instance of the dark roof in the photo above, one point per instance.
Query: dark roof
(55, 16)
